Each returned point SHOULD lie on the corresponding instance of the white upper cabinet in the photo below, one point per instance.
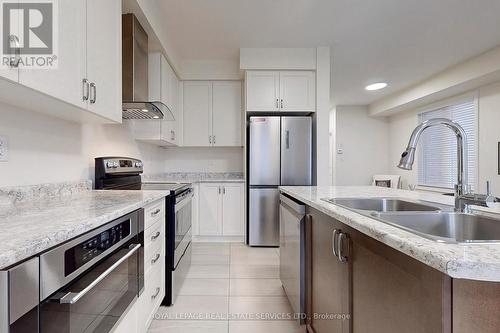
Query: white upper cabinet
(226, 119)
(197, 103)
(262, 93)
(88, 72)
(65, 82)
(286, 91)
(104, 58)
(162, 88)
(297, 91)
(212, 113)
(12, 72)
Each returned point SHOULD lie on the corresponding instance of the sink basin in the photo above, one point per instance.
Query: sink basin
(445, 226)
(382, 204)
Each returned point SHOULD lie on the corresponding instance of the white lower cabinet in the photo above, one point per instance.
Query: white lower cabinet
(142, 313)
(221, 209)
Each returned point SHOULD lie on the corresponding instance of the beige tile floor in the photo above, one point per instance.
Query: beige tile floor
(230, 288)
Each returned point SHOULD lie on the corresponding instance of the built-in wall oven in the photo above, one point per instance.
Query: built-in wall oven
(124, 173)
(88, 283)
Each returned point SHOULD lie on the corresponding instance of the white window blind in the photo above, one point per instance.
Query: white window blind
(437, 162)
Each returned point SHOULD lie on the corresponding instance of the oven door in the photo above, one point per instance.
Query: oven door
(96, 299)
(183, 223)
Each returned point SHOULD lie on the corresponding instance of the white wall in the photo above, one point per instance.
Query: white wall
(364, 141)
(190, 159)
(401, 126)
(43, 149)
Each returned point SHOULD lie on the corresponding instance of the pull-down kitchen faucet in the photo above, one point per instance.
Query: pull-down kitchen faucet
(463, 195)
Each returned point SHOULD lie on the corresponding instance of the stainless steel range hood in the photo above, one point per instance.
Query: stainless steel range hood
(135, 93)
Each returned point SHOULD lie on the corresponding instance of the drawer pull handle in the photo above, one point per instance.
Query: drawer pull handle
(156, 212)
(155, 236)
(155, 259)
(156, 293)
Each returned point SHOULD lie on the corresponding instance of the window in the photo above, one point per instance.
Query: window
(437, 159)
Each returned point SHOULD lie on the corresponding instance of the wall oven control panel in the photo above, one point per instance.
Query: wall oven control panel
(80, 254)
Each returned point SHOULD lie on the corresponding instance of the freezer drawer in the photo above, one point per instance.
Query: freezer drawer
(264, 156)
(264, 217)
(296, 151)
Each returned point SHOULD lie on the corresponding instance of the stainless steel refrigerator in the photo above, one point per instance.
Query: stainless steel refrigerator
(280, 153)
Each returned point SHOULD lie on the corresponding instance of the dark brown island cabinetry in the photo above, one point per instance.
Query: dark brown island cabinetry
(382, 290)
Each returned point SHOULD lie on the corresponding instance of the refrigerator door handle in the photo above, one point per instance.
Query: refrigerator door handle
(287, 139)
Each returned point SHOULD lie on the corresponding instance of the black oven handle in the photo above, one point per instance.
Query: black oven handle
(72, 298)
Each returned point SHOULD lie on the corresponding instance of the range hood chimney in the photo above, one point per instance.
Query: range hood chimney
(135, 93)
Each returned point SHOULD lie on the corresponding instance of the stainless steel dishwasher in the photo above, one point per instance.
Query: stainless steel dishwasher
(292, 253)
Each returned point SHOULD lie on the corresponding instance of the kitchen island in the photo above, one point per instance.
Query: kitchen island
(390, 279)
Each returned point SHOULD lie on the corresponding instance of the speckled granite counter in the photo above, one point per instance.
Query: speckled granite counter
(465, 261)
(194, 177)
(31, 226)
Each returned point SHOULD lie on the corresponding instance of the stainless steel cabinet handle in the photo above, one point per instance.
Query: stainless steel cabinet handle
(219, 189)
(172, 135)
(72, 298)
(156, 212)
(224, 190)
(214, 139)
(340, 250)
(281, 103)
(155, 236)
(287, 139)
(93, 93)
(85, 90)
(210, 139)
(277, 104)
(156, 293)
(334, 242)
(155, 259)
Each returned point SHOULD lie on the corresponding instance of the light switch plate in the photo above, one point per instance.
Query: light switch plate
(4, 149)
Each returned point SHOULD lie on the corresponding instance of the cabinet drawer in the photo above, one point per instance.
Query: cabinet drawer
(154, 291)
(154, 213)
(153, 256)
(154, 235)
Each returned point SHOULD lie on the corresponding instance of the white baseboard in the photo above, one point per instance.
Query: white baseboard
(218, 239)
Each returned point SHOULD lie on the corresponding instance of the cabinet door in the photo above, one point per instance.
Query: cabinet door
(8, 72)
(262, 91)
(226, 113)
(65, 81)
(298, 91)
(210, 210)
(232, 210)
(330, 278)
(104, 54)
(197, 103)
(393, 292)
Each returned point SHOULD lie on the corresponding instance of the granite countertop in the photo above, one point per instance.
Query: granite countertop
(194, 177)
(461, 261)
(31, 224)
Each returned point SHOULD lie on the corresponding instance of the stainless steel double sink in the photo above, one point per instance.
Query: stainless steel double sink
(434, 221)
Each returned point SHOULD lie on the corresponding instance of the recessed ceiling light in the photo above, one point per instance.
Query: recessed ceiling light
(145, 110)
(376, 86)
(156, 117)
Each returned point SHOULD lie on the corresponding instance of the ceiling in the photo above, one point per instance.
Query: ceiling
(398, 41)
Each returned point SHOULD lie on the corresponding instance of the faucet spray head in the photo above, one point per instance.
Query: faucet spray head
(407, 159)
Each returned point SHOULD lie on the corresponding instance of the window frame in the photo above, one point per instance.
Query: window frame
(474, 96)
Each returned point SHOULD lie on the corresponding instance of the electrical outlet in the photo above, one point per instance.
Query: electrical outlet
(4, 149)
